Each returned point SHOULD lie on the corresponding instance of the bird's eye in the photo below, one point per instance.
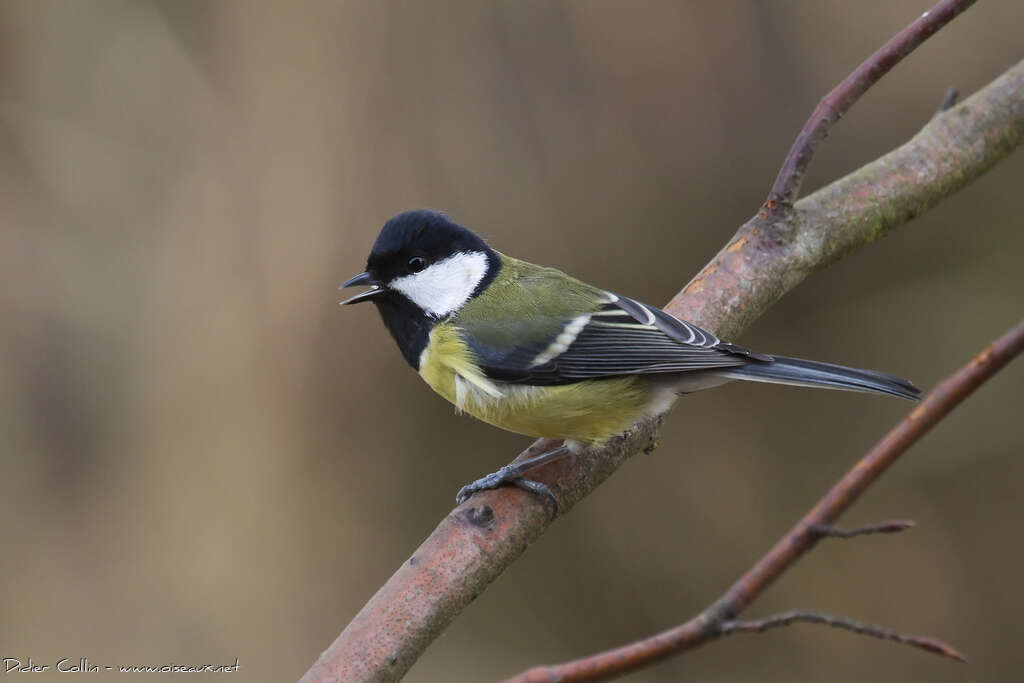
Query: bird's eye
(416, 264)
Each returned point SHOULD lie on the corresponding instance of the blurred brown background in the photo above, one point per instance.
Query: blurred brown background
(204, 458)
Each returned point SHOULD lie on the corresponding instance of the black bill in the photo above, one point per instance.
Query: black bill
(361, 280)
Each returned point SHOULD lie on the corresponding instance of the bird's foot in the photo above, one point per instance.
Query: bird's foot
(513, 474)
(509, 474)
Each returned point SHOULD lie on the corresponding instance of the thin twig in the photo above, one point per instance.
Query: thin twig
(831, 108)
(889, 527)
(708, 624)
(786, 618)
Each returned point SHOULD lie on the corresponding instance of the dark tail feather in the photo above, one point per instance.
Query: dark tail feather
(809, 373)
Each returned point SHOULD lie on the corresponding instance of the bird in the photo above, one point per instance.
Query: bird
(535, 351)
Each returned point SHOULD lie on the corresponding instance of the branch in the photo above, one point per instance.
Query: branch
(768, 257)
(786, 188)
(713, 621)
(765, 259)
(786, 618)
(889, 527)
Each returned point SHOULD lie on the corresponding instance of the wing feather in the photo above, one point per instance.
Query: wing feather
(620, 337)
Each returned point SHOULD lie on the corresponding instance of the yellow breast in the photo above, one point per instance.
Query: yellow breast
(589, 412)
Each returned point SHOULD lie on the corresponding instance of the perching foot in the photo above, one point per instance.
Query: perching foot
(513, 474)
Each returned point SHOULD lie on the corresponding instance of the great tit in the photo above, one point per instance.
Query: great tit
(535, 351)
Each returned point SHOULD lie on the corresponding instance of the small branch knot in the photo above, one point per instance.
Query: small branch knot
(482, 517)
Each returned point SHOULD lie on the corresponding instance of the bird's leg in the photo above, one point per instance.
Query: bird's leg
(513, 474)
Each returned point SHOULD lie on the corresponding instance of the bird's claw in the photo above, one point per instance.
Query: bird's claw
(491, 481)
(538, 489)
(507, 475)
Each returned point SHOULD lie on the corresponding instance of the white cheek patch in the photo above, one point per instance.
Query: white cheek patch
(446, 286)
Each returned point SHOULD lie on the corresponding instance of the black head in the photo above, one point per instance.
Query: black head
(423, 268)
(420, 234)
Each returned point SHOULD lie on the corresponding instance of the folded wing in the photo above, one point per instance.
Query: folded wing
(619, 337)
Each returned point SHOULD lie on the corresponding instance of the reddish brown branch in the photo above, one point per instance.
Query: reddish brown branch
(889, 527)
(927, 643)
(709, 624)
(832, 106)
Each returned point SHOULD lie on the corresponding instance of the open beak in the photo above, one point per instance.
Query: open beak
(361, 280)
